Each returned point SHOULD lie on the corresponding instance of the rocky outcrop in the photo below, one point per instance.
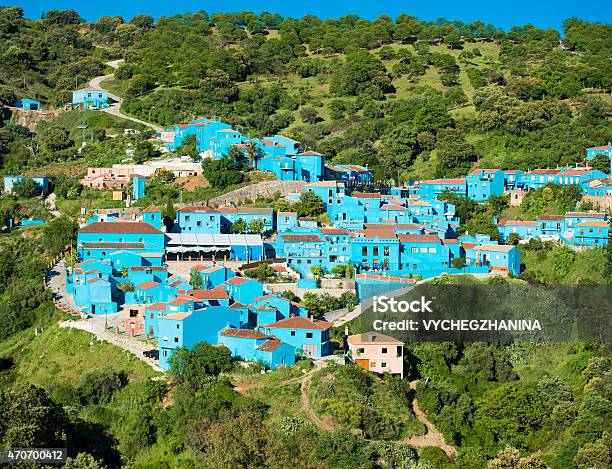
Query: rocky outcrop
(30, 119)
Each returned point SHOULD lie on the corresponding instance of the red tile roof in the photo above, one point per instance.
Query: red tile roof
(300, 322)
(120, 227)
(156, 307)
(243, 333)
(237, 280)
(517, 223)
(301, 238)
(213, 294)
(418, 238)
(147, 285)
(270, 345)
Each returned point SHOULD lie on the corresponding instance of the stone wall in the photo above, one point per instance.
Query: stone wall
(261, 189)
(604, 202)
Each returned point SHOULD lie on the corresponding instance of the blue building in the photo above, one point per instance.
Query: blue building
(198, 219)
(309, 336)
(302, 250)
(42, 183)
(247, 344)
(310, 166)
(204, 130)
(591, 233)
(138, 187)
(524, 229)
(606, 150)
(497, 257)
(90, 99)
(484, 183)
(28, 105)
(135, 243)
(286, 221)
(185, 329)
(153, 216)
(243, 290)
(433, 188)
(349, 174)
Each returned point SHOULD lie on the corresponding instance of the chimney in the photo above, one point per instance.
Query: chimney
(312, 318)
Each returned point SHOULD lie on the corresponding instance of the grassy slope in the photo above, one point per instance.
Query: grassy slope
(60, 355)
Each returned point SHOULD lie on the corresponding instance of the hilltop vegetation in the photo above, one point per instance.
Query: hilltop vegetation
(408, 97)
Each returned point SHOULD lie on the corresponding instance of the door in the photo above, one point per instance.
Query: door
(363, 363)
(309, 350)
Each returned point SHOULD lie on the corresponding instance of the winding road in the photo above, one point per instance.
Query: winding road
(114, 109)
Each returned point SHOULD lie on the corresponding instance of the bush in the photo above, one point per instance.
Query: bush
(99, 386)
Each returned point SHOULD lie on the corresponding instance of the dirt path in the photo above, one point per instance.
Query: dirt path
(305, 402)
(433, 437)
(114, 109)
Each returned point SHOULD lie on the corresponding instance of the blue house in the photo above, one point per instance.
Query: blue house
(513, 178)
(229, 215)
(273, 307)
(302, 250)
(204, 130)
(598, 186)
(95, 296)
(286, 221)
(348, 173)
(310, 166)
(591, 233)
(198, 219)
(539, 178)
(185, 329)
(433, 188)
(572, 219)
(90, 99)
(247, 344)
(99, 240)
(484, 183)
(310, 337)
(223, 140)
(496, 257)
(243, 290)
(550, 226)
(423, 255)
(28, 105)
(42, 183)
(138, 187)
(524, 229)
(153, 216)
(213, 275)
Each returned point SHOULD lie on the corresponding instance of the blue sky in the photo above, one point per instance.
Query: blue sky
(542, 13)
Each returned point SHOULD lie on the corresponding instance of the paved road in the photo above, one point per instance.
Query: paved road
(56, 282)
(114, 109)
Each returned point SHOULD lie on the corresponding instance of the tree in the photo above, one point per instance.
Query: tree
(263, 272)
(455, 153)
(309, 205)
(83, 461)
(195, 279)
(61, 17)
(309, 115)
(256, 226)
(144, 151)
(56, 139)
(239, 226)
(26, 188)
(252, 151)
(188, 147)
(143, 21)
(600, 162)
(317, 271)
(29, 418)
(193, 366)
(593, 456)
(169, 215)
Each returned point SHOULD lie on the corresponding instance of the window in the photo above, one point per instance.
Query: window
(176, 340)
(165, 353)
(212, 218)
(199, 223)
(432, 250)
(423, 250)
(383, 350)
(360, 350)
(292, 333)
(151, 315)
(178, 326)
(309, 335)
(364, 251)
(414, 250)
(133, 313)
(187, 217)
(383, 365)
(375, 251)
(386, 250)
